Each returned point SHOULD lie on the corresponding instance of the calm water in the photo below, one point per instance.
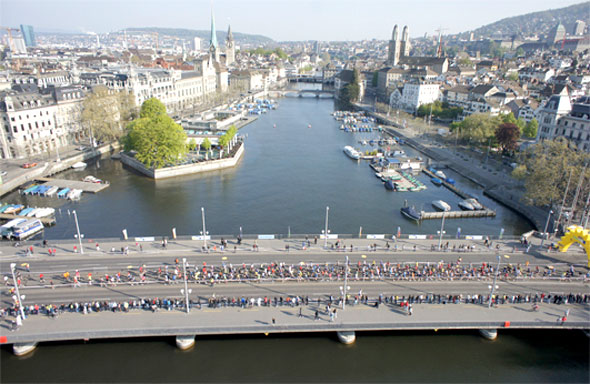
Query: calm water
(288, 175)
(523, 356)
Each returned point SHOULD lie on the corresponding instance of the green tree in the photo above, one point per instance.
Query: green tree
(530, 130)
(509, 118)
(507, 135)
(478, 127)
(466, 61)
(156, 138)
(192, 144)
(105, 112)
(207, 147)
(519, 52)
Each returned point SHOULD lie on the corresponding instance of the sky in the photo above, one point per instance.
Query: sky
(281, 20)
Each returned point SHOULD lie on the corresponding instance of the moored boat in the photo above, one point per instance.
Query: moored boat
(476, 205)
(441, 175)
(352, 153)
(63, 193)
(79, 165)
(51, 191)
(411, 213)
(389, 185)
(436, 181)
(26, 229)
(441, 205)
(466, 206)
(74, 194)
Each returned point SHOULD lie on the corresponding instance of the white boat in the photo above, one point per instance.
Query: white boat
(398, 153)
(378, 175)
(75, 194)
(51, 191)
(441, 205)
(466, 206)
(352, 153)
(476, 204)
(441, 175)
(44, 212)
(32, 213)
(79, 165)
(91, 179)
(26, 229)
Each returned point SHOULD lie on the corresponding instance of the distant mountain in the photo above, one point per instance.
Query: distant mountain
(240, 38)
(536, 23)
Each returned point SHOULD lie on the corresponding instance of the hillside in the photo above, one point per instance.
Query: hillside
(240, 38)
(536, 23)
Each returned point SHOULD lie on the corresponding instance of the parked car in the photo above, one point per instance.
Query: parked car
(3, 173)
(29, 165)
(81, 148)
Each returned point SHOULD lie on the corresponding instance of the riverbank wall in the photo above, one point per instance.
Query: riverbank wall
(51, 168)
(182, 170)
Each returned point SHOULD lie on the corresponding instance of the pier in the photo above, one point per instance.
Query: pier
(452, 188)
(74, 184)
(48, 220)
(458, 214)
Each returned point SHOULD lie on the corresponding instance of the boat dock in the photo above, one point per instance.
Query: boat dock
(48, 220)
(397, 178)
(458, 214)
(460, 193)
(74, 184)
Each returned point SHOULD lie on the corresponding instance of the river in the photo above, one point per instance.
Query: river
(288, 176)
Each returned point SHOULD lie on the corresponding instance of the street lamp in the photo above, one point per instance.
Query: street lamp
(326, 228)
(345, 288)
(442, 227)
(545, 230)
(204, 233)
(494, 287)
(186, 291)
(19, 298)
(78, 231)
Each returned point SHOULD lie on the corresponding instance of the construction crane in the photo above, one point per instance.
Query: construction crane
(9, 30)
(439, 49)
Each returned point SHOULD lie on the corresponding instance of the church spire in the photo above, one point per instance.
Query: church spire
(230, 36)
(213, 40)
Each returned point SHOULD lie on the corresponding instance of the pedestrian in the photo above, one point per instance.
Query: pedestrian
(31, 249)
(140, 248)
(300, 312)
(54, 251)
(97, 248)
(49, 251)
(317, 315)
(19, 321)
(274, 321)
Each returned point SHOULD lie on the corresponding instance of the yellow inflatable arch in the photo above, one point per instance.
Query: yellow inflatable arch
(576, 234)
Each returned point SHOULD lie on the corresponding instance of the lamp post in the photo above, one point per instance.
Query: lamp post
(545, 230)
(204, 231)
(326, 228)
(78, 231)
(493, 287)
(186, 290)
(345, 288)
(442, 228)
(18, 300)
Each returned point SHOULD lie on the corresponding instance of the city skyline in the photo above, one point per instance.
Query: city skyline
(302, 20)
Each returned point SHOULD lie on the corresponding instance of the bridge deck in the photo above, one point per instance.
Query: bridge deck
(140, 323)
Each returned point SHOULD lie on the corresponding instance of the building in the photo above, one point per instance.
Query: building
(29, 127)
(247, 80)
(213, 45)
(28, 35)
(556, 34)
(575, 126)
(578, 28)
(417, 93)
(344, 78)
(196, 44)
(230, 48)
(397, 48)
(556, 107)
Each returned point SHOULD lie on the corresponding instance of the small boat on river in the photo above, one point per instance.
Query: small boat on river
(411, 213)
(352, 153)
(466, 205)
(441, 205)
(476, 205)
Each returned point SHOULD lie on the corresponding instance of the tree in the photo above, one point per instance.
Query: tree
(351, 91)
(549, 164)
(156, 138)
(106, 112)
(509, 118)
(192, 144)
(507, 135)
(513, 76)
(478, 127)
(207, 146)
(519, 172)
(530, 129)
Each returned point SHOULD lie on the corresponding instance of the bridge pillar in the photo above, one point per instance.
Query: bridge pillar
(346, 337)
(21, 349)
(185, 342)
(490, 334)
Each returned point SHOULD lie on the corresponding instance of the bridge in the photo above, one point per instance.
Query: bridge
(317, 93)
(433, 310)
(305, 79)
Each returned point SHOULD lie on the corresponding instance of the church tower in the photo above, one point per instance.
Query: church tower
(394, 47)
(405, 45)
(230, 48)
(213, 46)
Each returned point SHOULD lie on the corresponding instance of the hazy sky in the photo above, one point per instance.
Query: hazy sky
(278, 19)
